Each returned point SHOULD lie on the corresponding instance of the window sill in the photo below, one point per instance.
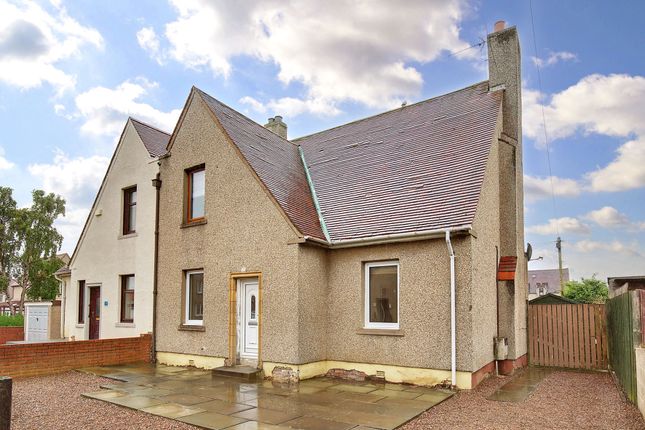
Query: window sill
(191, 327)
(80, 325)
(127, 236)
(125, 324)
(193, 223)
(380, 332)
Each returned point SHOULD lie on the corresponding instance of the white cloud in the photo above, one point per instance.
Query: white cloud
(625, 172)
(587, 246)
(104, 110)
(554, 58)
(340, 51)
(33, 42)
(149, 42)
(559, 226)
(538, 188)
(610, 105)
(76, 180)
(4, 163)
(290, 106)
(608, 217)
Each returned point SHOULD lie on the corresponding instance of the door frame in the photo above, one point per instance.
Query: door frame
(233, 279)
(89, 307)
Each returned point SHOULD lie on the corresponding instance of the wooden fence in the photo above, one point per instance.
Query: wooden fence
(624, 337)
(568, 335)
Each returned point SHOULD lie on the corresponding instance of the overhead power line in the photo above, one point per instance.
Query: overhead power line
(546, 135)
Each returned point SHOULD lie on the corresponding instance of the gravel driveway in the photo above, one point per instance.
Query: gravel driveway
(563, 400)
(55, 402)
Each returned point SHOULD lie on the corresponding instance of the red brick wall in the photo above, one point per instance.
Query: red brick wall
(44, 358)
(11, 333)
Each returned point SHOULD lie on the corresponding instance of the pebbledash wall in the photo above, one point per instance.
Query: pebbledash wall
(312, 298)
(103, 253)
(32, 359)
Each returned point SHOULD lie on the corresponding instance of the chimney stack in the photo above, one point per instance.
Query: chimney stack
(277, 126)
(504, 72)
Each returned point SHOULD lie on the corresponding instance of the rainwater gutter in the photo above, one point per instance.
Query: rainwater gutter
(390, 238)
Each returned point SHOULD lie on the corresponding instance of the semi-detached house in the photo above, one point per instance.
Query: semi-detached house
(392, 245)
(108, 284)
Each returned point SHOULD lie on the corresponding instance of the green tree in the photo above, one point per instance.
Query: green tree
(38, 241)
(589, 290)
(8, 241)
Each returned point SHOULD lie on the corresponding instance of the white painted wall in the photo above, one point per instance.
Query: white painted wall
(103, 254)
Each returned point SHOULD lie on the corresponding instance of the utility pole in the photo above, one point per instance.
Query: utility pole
(558, 245)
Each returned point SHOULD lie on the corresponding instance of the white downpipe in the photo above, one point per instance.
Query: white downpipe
(453, 312)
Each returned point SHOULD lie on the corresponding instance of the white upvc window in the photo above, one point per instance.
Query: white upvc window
(382, 295)
(194, 297)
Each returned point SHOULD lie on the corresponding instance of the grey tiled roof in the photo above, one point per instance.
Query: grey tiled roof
(277, 163)
(416, 168)
(154, 140)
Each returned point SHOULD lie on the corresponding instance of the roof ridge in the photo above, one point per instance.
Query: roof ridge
(389, 111)
(243, 116)
(149, 126)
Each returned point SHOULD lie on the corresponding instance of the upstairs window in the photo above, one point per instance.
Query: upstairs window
(127, 298)
(196, 190)
(382, 295)
(129, 210)
(194, 297)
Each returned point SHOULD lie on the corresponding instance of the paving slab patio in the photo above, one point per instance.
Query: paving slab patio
(211, 401)
(520, 388)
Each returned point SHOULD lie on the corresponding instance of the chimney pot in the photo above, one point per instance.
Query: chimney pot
(277, 126)
(499, 26)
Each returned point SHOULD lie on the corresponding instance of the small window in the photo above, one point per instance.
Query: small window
(129, 210)
(127, 298)
(194, 297)
(196, 190)
(253, 307)
(81, 302)
(382, 295)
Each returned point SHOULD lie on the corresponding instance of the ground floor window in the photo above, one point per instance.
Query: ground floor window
(127, 298)
(81, 302)
(382, 295)
(194, 297)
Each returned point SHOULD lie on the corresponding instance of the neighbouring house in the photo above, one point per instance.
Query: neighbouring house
(10, 299)
(550, 299)
(108, 284)
(546, 281)
(621, 284)
(371, 246)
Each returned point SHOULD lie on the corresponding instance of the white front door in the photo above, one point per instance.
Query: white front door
(248, 319)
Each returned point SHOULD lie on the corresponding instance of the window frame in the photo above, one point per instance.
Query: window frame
(187, 320)
(80, 318)
(189, 193)
(124, 291)
(127, 204)
(367, 324)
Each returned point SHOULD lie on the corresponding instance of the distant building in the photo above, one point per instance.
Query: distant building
(546, 281)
